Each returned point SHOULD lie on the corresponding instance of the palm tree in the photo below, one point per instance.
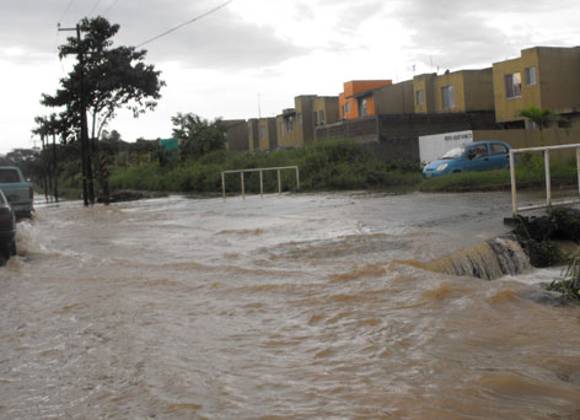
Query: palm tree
(542, 118)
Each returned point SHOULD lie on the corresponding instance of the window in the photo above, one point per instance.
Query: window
(321, 117)
(315, 116)
(498, 149)
(448, 97)
(419, 97)
(9, 176)
(346, 109)
(289, 124)
(476, 152)
(531, 77)
(513, 85)
(363, 107)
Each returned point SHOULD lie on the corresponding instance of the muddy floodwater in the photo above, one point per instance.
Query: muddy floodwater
(293, 306)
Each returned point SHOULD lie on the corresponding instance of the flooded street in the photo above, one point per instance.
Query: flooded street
(298, 306)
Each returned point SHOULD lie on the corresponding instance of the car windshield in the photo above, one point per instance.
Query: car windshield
(454, 153)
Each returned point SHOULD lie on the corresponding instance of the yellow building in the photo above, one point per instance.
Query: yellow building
(460, 91)
(262, 134)
(542, 77)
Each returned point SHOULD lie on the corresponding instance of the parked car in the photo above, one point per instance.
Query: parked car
(7, 228)
(17, 190)
(477, 156)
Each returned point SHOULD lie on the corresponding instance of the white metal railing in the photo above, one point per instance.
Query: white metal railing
(261, 172)
(549, 202)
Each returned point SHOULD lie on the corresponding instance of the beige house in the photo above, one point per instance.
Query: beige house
(295, 126)
(262, 134)
(461, 91)
(542, 77)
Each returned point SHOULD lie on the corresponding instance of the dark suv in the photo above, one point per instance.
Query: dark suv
(7, 229)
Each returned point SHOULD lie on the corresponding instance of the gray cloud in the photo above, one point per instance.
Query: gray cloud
(217, 41)
(455, 33)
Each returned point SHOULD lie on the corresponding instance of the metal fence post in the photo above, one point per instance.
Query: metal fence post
(279, 183)
(548, 179)
(578, 166)
(224, 185)
(513, 181)
(262, 184)
(243, 186)
(297, 179)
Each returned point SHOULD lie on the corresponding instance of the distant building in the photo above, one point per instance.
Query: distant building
(295, 126)
(458, 92)
(357, 100)
(542, 77)
(325, 110)
(237, 135)
(262, 134)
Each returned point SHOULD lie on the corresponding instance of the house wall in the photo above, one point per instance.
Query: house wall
(267, 134)
(478, 90)
(426, 84)
(328, 106)
(396, 137)
(395, 99)
(253, 135)
(533, 138)
(289, 138)
(349, 97)
(557, 87)
(237, 137)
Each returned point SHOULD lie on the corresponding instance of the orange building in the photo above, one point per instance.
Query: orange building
(357, 100)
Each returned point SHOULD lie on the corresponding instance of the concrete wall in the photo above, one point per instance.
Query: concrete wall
(253, 135)
(557, 87)
(267, 135)
(425, 83)
(478, 90)
(326, 109)
(534, 138)
(396, 137)
(237, 137)
(395, 99)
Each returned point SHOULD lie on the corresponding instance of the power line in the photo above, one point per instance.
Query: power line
(66, 9)
(94, 7)
(111, 7)
(209, 12)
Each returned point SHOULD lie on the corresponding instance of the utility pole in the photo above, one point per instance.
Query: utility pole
(87, 172)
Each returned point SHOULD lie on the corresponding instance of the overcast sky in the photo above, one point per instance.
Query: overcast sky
(269, 49)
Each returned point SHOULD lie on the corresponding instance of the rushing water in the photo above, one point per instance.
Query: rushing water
(305, 306)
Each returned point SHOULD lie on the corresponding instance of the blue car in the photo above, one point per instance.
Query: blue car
(478, 156)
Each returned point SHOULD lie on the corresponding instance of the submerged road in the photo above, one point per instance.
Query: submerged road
(294, 306)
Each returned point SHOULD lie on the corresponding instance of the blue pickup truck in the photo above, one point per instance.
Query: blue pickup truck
(17, 190)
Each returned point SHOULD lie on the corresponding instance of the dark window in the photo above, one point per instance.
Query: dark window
(498, 149)
(363, 107)
(9, 176)
(448, 97)
(513, 85)
(419, 97)
(478, 151)
(531, 77)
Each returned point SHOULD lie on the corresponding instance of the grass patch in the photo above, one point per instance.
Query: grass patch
(335, 165)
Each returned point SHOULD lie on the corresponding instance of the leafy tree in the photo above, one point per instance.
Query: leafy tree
(114, 77)
(198, 136)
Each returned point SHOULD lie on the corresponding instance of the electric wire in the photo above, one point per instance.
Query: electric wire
(66, 9)
(209, 12)
(94, 7)
(110, 7)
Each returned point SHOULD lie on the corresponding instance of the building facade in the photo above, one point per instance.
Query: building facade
(458, 92)
(295, 126)
(262, 134)
(357, 99)
(237, 135)
(542, 77)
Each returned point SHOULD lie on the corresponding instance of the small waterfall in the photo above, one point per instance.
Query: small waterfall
(489, 260)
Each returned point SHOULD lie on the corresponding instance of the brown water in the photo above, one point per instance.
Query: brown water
(282, 307)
